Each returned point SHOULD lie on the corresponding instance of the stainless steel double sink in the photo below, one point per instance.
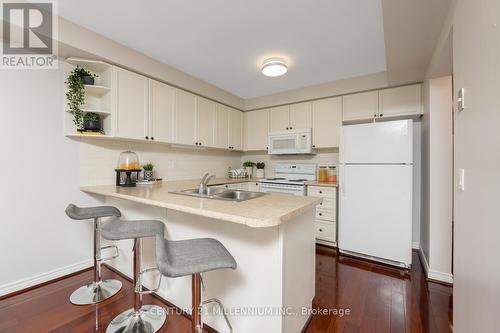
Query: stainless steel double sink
(221, 194)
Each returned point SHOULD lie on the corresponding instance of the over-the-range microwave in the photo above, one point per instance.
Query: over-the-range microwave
(297, 141)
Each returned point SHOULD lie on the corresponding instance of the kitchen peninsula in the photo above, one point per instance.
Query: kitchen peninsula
(271, 237)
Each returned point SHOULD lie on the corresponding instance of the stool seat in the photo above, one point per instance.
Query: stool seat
(192, 256)
(116, 229)
(77, 213)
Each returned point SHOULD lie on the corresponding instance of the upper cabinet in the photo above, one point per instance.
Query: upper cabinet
(279, 118)
(256, 129)
(205, 122)
(401, 101)
(222, 126)
(161, 112)
(300, 115)
(131, 105)
(360, 106)
(326, 122)
(235, 129)
(186, 117)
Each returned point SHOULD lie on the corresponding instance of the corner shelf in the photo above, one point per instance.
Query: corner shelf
(96, 90)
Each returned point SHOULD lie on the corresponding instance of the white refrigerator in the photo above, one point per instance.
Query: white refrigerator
(376, 180)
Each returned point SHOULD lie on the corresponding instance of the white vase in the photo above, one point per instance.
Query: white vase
(259, 173)
(249, 171)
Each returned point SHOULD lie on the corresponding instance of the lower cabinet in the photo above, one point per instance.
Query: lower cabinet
(325, 223)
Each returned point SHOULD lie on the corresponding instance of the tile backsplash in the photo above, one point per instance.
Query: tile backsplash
(98, 159)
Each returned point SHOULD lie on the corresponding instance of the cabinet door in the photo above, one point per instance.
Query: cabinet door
(256, 129)
(222, 127)
(161, 112)
(236, 129)
(186, 117)
(131, 105)
(205, 122)
(327, 119)
(401, 101)
(300, 115)
(360, 106)
(279, 118)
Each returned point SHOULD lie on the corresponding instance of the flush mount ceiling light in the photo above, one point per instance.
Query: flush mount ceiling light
(274, 67)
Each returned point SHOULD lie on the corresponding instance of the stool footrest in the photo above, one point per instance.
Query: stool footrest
(101, 259)
(138, 285)
(221, 307)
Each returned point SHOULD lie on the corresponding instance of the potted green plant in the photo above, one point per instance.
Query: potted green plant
(76, 93)
(259, 172)
(91, 122)
(248, 165)
(148, 170)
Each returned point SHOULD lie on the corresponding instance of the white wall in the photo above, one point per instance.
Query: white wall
(437, 197)
(41, 177)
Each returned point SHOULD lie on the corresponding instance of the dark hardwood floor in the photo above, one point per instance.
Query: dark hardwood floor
(379, 299)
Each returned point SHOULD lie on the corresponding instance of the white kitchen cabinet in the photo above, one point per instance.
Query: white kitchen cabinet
(235, 129)
(279, 118)
(205, 122)
(222, 126)
(256, 129)
(186, 117)
(326, 122)
(161, 112)
(131, 105)
(326, 214)
(301, 115)
(362, 106)
(401, 101)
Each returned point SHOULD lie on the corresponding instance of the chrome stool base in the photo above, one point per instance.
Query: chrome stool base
(94, 292)
(149, 319)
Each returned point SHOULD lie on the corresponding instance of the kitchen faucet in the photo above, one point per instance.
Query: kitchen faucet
(202, 188)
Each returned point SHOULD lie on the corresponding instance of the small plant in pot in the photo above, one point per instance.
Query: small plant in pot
(248, 165)
(91, 122)
(259, 173)
(87, 77)
(148, 171)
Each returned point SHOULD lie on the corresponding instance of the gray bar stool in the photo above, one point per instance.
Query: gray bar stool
(141, 318)
(194, 257)
(99, 289)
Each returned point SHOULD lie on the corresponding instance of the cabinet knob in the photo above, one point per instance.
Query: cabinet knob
(146, 137)
(320, 230)
(152, 138)
(199, 143)
(321, 203)
(287, 128)
(375, 115)
(291, 127)
(314, 146)
(381, 114)
(267, 148)
(320, 214)
(320, 192)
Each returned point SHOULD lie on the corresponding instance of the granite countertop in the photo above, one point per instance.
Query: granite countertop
(267, 211)
(326, 184)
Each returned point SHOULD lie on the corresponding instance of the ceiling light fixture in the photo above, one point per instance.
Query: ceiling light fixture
(274, 67)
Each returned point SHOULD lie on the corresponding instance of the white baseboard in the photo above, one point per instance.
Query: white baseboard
(415, 245)
(433, 274)
(44, 277)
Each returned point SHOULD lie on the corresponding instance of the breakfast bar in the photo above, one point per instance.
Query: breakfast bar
(271, 237)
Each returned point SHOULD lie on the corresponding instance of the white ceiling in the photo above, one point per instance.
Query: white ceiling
(224, 41)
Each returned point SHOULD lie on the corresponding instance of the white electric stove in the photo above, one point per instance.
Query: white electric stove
(289, 179)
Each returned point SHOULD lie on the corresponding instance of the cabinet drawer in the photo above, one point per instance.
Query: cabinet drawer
(325, 231)
(327, 203)
(323, 192)
(325, 214)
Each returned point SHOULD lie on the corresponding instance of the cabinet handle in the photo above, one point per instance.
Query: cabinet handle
(146, 137)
